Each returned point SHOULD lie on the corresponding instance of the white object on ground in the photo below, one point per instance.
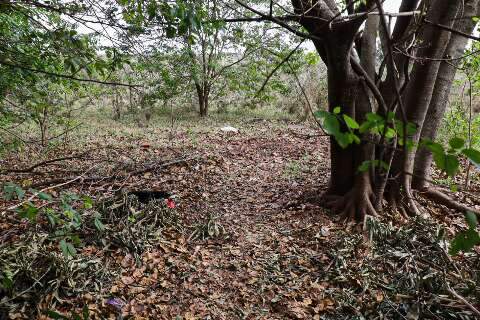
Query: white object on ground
(229, 129)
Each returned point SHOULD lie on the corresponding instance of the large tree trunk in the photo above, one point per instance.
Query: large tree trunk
(343, 85)
(349, 80)
(416, 99)
(441, 93)
(420, 89)
(335, 49)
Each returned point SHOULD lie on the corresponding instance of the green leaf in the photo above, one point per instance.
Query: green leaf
(28, 211)
(447, 162)
(67, 248)
(337, 110)
(411, 128)
(372, 163)
(464, 241)
(10, 189)
(452, 165)
(435, 148)
(355, 138)
(343, 139)
(456, 143)
(52, 216)
(365, 166)
(87, 202)
(20, 192)
(366, 126)
(44, 196)
(473, 155)
(7, 279)
(374, 117)
(471, 219)
(98, 224)
(331, 124)
(391, 133)
(390, 116)
(351, 123)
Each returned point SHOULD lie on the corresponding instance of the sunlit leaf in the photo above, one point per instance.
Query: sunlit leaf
(351, 123)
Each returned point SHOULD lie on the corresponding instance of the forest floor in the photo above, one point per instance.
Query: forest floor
(244, 241)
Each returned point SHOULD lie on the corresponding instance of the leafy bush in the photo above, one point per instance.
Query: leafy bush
(65, 214)
(456, 124)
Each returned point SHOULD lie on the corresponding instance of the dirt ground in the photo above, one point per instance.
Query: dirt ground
(249, 241)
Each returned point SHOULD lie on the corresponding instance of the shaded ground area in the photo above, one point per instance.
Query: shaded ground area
(243, 242)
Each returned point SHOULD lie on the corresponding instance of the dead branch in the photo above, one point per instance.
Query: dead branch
(93, 179)
(46, 189)
(463, 300)
(46, 162)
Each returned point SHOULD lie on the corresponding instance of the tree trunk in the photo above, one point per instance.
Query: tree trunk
(441, 93)
(351, 191)
(203, 95)
(419, 89)
(335, 49)
(116, 107)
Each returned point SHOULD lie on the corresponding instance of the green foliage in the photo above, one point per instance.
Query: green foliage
(178, 18)
(6, 279)
(64, 214)
(335, 124)
(12, 191)
(457, 123)
(366, 165)
(466, 240)
(36, 61)
(447, 160)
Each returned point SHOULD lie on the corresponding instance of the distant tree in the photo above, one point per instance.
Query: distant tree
(40, 58)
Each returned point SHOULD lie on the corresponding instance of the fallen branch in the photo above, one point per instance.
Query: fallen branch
(42, 163)
(443, 199)
(463, 300)
(116, 176)
(46, 189)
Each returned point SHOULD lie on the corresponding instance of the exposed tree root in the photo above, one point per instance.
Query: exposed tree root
(355, 204)
(396, 204)
(441, 198)
(401, 200)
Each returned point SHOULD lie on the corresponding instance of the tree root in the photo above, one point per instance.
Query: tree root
(396, 203)
(354, 205)
(441, 198)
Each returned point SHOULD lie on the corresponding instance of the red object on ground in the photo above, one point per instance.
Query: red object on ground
(170, 203)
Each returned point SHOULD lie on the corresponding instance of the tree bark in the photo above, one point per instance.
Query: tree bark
(202, 94)
(419, 90)
(335, 48)
(441, 93)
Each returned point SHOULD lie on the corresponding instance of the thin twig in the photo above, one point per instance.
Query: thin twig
(46, 189)
(462, 300)
(278, 67)
(66, 76)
